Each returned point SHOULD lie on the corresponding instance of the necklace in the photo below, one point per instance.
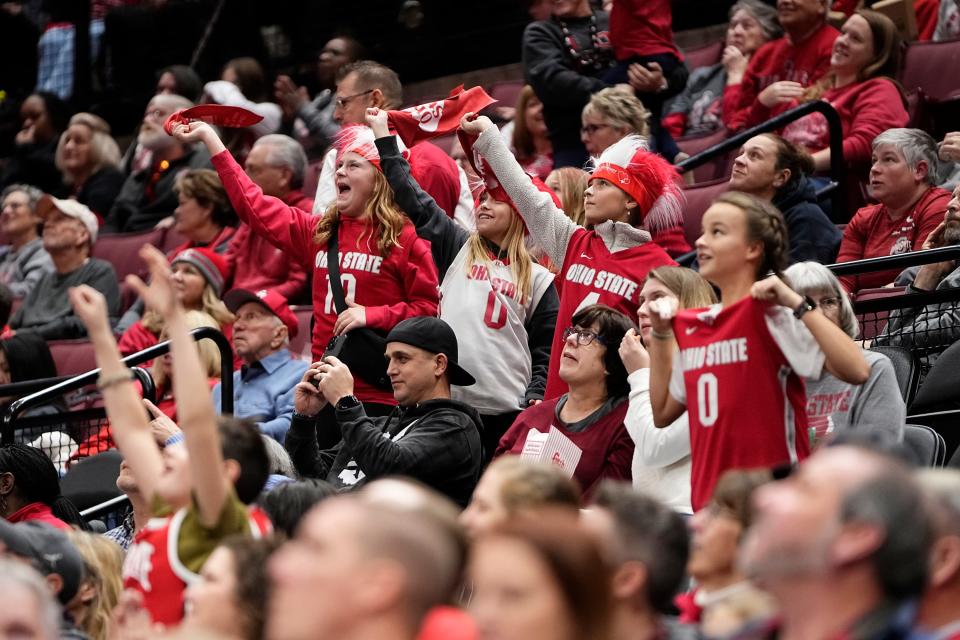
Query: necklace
(597, 56)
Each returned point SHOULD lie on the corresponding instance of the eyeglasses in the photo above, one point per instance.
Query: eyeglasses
(585, 337)
(829, 303)
(344, 101)
(590, 129)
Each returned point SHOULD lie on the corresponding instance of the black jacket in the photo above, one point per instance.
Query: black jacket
(551, 70)
(812, 235)
(133, 212)
(436, 442)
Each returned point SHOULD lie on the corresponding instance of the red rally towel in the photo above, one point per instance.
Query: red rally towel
(434, 119)
(216, 114)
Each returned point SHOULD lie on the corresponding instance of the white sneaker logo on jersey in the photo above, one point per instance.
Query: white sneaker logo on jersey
(689, 330)
(583, 255)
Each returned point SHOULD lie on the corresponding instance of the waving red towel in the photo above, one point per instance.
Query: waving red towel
(434, 119)
(216, 114)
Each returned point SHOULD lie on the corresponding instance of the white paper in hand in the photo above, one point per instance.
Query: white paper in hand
(553, 448)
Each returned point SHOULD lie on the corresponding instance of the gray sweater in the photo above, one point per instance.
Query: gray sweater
(20, 270)
(876, 404)
(47, 310)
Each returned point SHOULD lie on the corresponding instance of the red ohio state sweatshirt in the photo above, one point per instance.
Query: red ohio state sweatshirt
(804, 62)
(394, 287)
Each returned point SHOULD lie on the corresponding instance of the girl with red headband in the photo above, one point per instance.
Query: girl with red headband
(499, 301)
(385, 269)
(607, 264)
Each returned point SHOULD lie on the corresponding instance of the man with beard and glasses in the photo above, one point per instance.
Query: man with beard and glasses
(147, 195)
(938, 324)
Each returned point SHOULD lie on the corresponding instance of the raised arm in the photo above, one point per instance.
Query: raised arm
(655, 448)
(285, 227)
(666, 408)
(198, 420)
(548, 224)
(843, 356)
(432, 223)
(129, 423)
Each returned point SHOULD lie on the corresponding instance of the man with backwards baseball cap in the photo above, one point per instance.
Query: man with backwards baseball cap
(428, 437)
(69, 231)
(263, 387)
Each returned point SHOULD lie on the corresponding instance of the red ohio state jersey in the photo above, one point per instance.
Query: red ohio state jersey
(153, 567)
(592, 275)
(738, 370)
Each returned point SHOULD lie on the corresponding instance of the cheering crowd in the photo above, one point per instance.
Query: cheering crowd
(529, 405)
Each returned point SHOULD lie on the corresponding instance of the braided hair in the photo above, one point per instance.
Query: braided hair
(37, 480)
(765, 224)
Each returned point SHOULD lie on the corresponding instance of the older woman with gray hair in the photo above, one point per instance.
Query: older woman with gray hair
(697, 109)
(903, 180)
(834, 406)
(89, 159)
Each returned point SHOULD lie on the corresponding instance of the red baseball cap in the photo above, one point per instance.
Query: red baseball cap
(268, 298)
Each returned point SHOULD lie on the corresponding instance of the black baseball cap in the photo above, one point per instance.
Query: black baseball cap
(436, 336)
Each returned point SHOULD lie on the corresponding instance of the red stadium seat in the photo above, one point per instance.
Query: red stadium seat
(872, 324)
(699, 199)
(705, 56)
(300, 346)
(72, 357)
(927, 65)
(716, 168)
(171, 240)
(121, 250)
(506, 92)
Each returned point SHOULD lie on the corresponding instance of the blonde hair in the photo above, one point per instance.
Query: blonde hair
(521, 264)
(209, 353)
(527, 485)
(691, 289)
(621, 109)
(573, 182)
(381, 208)
(104, 151)
(103, 561)
(210, 304)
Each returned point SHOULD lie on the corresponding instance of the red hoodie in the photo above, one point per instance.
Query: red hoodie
(642, 28)
(866, 110)
(777, 60)
(400, 285)
(256, 264)
(871, 234)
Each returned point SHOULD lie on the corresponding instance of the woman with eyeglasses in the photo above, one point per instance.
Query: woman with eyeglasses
(592, 412)
(833, 405)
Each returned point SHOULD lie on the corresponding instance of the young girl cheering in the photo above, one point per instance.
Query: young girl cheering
(385, 269)
(736, 366)
(630, 187)
(501, 304)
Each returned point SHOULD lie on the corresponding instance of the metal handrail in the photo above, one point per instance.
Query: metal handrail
(899, 261)
(104, 506)
(150, 353)
(838, 172)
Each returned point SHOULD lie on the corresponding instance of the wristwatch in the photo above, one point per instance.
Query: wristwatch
(806, 305)
(347, 402)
